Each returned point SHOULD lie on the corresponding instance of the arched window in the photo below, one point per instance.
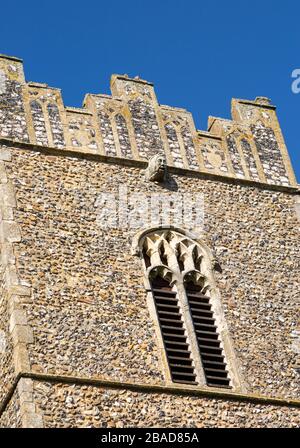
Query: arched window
(179, 274)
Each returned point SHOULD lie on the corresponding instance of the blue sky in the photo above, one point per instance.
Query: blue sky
(199, 54)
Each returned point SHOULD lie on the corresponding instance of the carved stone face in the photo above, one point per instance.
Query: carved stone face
(157, 168)
(161, 162)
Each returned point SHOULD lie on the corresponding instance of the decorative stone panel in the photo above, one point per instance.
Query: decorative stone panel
(214, 156)
(81, 128)
(269, 154)
(56, 125)
(174, 145)
(189, 147)
(249, 159)
(123, 136)
(39, 123)
(235, 155)
(12, 113)
(146, 128)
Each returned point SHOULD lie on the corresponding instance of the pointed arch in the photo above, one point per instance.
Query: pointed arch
(123, 136)
(56, 125)
(186, 264)
(235, 155)
(189, 147)
(249, 158)
(174, 144)
(269, 153)
(38, 123)
(107, 133)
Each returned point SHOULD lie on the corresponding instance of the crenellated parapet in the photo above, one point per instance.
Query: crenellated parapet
(131, 124)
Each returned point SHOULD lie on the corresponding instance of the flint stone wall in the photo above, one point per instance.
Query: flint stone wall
(89, 313)
(86, 406)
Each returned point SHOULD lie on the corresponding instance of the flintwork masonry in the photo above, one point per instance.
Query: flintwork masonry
(94, 319)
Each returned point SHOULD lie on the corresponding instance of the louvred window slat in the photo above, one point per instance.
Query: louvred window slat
(209, 343)
(173, 333)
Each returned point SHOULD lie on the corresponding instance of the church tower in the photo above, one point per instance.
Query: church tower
(149, 270)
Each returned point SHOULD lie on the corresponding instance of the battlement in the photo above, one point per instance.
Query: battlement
(131, 124)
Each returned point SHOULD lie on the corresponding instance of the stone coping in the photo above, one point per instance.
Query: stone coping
(129, 78)
(212, 393)
(78, 110)
(143, 164)
(208, 134)
(12, 58)
(258, 104)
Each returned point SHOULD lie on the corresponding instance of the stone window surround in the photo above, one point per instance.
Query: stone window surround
(176, 278)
